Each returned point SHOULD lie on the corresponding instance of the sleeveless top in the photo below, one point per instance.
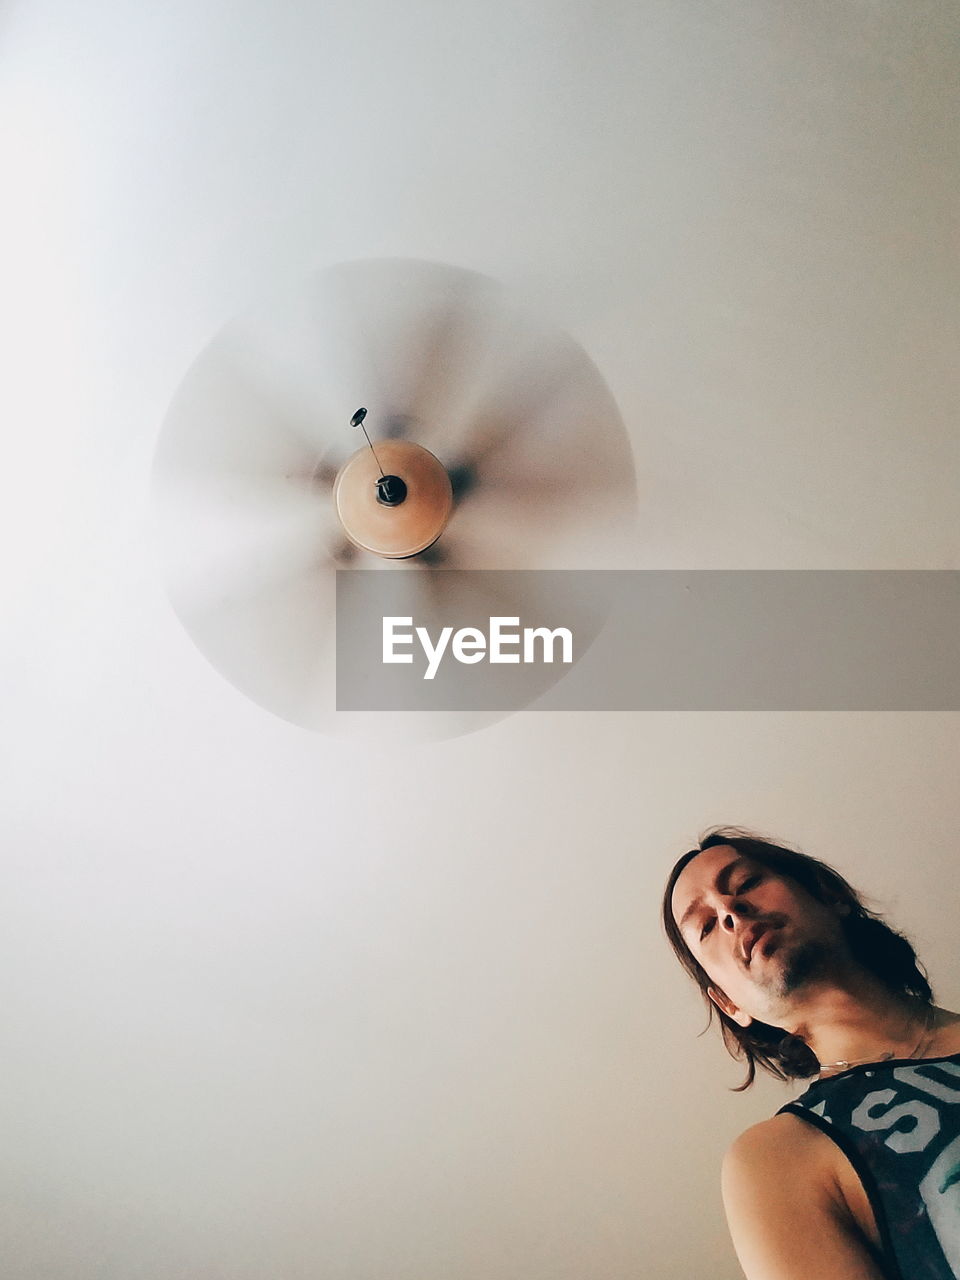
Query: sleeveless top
(898, 1123)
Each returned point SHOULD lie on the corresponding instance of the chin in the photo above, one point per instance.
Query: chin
(799, 964)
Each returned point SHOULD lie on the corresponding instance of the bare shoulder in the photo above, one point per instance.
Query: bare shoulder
(786, 1208)
(786, 1158)
(778, 1143)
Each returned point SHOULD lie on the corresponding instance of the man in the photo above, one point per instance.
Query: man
(859, 1178)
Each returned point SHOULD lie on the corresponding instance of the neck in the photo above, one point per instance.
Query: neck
(855, 1018)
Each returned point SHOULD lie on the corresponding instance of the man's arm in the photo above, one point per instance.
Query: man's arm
(786, 1213)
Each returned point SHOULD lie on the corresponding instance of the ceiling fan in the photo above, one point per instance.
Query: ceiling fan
(491, 442)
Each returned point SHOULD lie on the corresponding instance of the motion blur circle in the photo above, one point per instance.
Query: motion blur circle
(531, 469)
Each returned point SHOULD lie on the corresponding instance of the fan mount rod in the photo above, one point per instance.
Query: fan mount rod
(391, 490)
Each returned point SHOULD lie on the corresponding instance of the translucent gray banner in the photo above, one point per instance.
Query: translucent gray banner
(648, 640)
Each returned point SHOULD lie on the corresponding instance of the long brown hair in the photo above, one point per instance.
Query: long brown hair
(873, 943)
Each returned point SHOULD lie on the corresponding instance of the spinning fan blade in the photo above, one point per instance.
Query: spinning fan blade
(224, 420)
(429, 338)
(276, 644)
(548, 441)
(242, 538)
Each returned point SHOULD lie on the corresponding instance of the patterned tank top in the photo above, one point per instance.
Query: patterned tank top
(898, 1123)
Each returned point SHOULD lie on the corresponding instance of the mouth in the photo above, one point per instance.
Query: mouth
(754, 935)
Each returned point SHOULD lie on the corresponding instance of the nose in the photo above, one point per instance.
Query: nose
(734, 910)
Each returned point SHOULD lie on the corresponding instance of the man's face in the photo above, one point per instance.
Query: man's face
(759, 936)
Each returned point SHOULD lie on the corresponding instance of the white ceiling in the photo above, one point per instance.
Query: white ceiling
(283, 1006)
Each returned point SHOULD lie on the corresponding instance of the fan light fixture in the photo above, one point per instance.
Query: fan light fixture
(393, 501)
